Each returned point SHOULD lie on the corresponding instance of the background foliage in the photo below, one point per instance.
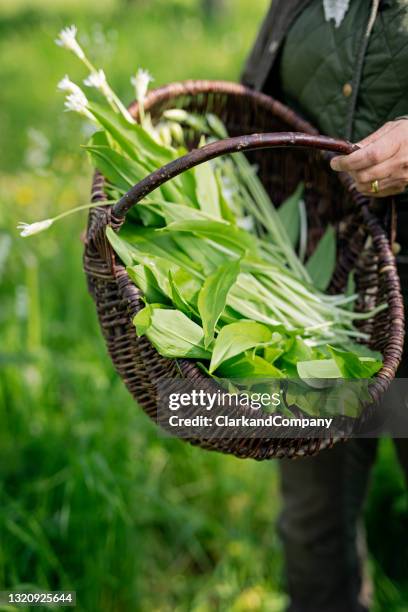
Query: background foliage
(90, 497)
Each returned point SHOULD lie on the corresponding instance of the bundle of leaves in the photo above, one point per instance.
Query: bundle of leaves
(217, 265)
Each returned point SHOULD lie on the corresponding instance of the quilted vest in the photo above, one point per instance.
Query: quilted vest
(317, 67)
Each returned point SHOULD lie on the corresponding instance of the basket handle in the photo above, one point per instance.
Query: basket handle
(222, 147)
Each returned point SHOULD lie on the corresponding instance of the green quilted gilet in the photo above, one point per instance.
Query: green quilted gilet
(318, 63)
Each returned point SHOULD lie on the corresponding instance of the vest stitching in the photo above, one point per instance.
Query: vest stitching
(359, 68)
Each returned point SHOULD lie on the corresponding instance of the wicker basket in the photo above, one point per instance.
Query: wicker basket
(283, 159)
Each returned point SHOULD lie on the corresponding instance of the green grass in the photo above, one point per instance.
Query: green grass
(91, 498)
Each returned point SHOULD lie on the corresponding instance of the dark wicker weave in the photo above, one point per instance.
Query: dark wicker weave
(329, 199)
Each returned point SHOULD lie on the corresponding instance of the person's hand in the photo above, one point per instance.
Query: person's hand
(380, 167)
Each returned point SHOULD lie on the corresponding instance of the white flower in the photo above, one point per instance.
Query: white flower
(28, 229)
(78, 103)
(67, 39)
(96, 79)
(69, 86)
(141, 83)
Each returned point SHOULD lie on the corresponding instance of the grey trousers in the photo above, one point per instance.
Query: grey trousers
(322, 503)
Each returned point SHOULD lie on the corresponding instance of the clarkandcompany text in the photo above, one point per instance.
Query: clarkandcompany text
(272, 420)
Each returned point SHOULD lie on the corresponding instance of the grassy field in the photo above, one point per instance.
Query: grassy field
(91, 498)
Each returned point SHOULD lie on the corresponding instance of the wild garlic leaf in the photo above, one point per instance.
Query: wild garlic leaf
(236, 338)
(288, 213)
(122, 172)
(218, 231)
(147, 241)
(146, 282)
(140, 146)
(172, 333)
(160, 268)
(123, 137)
(295, 350)
(179, 300)
(213, 297)
(174, 211)
(246, 367)
(225, 209)
(272, 353)
(318, 368)
(322, 262)
(207, 189)
(350, 289)
(187, 285)
(308, 400)
(361, 350)
(318, 373)
(132, 138)
(143, 320)
(298, 350)
(200, 251)
(352, 366)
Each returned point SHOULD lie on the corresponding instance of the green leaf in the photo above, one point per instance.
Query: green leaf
(350, 289)
(149, 255)
(236, 338)
(226, 211)
(298, 350)
(288, 213)
(322, 262)
(179, 296)
(140, 146)
(318, 368)
(247, 367)
(318, 373)
(174, 211)
(172, 333)
(272, 353)
(219, 231)
(145, 280)
(187, 285)
(213, 296)
(352, 366)
(132, 138)
(146, 242)
(361, 350)
(119, 246)
(160, 268)
(207, 189)
(121, 171)
(177, 299)
(143, 320)
(200, 251)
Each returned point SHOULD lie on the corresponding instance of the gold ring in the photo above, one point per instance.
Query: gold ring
(374, 187)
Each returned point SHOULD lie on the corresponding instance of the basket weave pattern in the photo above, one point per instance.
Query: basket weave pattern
(362, 246)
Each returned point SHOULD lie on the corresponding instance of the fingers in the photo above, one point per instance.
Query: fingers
(386, 187)
(390, 125)
(392, 191)
(373, 154)
(390, 167)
